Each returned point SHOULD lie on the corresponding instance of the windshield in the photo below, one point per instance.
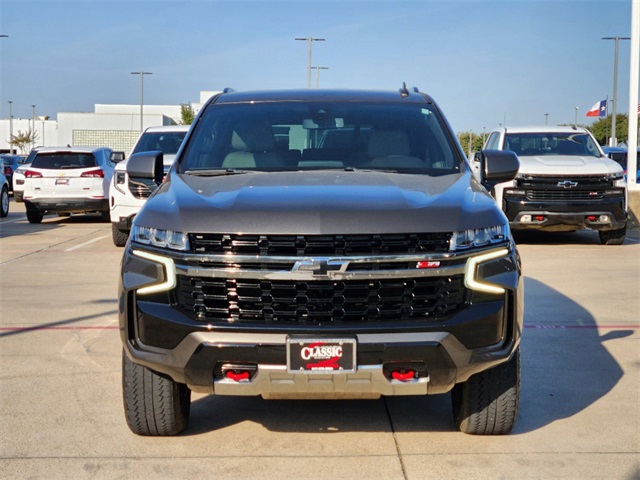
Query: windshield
(275, 136)
(535, 144)
(57, 161)
(167, 142)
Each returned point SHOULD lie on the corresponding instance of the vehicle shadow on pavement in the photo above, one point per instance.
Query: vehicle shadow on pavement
(565, 364)
(323, 416)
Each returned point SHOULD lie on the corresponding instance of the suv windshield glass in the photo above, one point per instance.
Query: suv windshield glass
(534, 144)
(166, 142)
(275, 136)
(57, 161)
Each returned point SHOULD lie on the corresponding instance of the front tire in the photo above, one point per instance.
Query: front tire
(120, 237)
(34, 216)
(4, 202)
(613, 237)
(154, 404)
(487, 403)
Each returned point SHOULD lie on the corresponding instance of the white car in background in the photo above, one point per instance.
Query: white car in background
(66, 180)
(126, 197)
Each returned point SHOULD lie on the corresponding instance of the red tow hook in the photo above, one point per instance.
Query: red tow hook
(403, 375)
(237, 375)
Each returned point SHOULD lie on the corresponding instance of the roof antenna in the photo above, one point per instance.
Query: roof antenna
(403, 91)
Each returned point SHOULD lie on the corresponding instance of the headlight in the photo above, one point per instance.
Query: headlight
(119, 181)
(479, 237)
(160, 238)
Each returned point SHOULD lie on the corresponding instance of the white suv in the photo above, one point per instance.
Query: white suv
(127, 196)
(67, 180)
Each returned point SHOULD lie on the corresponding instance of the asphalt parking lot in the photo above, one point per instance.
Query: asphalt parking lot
(60, 390)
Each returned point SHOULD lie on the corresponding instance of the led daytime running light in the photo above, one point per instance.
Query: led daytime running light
(169, 273)
(470, 271)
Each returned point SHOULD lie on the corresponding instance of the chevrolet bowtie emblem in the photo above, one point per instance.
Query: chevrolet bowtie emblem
(567, 184)
(318, 266)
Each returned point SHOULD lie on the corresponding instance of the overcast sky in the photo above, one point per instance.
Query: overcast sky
(482, 61)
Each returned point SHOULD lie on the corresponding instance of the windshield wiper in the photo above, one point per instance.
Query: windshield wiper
(218, 172)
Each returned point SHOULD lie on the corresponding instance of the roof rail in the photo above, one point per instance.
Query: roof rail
(228, 90)
(415, 89)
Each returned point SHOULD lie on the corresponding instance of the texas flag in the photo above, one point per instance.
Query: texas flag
(598, 110)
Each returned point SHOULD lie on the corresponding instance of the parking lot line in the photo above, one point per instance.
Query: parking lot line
(76, 247)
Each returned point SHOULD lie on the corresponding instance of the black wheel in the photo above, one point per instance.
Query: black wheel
(613, 237)
(487, 403)
(119, 236)
(34, 216)
(4, 202)
(154, 405)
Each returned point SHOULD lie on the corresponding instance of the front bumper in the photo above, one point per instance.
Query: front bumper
(605, 214)
(166, 339)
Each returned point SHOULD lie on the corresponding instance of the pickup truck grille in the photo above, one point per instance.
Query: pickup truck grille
(306, 245)
(563, 195)
(237, 301)
(139, 190)
(565, 189)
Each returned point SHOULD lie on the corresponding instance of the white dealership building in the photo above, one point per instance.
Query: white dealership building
(113, 126)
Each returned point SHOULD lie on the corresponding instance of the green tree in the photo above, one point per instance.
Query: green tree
(22, 140)
(476, 142)
(187, 113)
(601, 128)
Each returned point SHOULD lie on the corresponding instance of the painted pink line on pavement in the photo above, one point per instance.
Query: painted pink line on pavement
(35, 327)
(605, 327)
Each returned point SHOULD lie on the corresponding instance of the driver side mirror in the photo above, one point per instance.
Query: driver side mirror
(146, 168)
(497, 166)
(117, 157)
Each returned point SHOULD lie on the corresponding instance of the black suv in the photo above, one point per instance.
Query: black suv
(274, 262)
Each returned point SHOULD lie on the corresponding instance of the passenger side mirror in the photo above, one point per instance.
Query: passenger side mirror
(117, 157)
(146, 168)
(497, 166)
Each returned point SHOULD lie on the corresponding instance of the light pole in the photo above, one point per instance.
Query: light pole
(142, 74)
(613, 140)
(318, 74)
(309, 40)
(10, 128)
(546, 119)
(575, 119)
(33, 128)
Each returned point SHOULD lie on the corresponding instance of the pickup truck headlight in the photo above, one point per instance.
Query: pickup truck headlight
(479, 237)
(119, 181)
(158, 237)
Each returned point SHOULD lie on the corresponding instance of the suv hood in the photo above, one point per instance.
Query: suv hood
(567, 165)
(320, 202)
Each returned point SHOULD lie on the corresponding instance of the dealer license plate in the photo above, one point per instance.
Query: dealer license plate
(321, 355)
(62, 181)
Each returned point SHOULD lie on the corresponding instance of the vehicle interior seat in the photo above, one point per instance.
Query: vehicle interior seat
(253, 147)
(391, 149)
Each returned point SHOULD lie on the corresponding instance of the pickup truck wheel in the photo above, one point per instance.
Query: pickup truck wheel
(487, 403)
(34, 216)
(4, 202)
(613, 237)
(120, 237)
(154, 404)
